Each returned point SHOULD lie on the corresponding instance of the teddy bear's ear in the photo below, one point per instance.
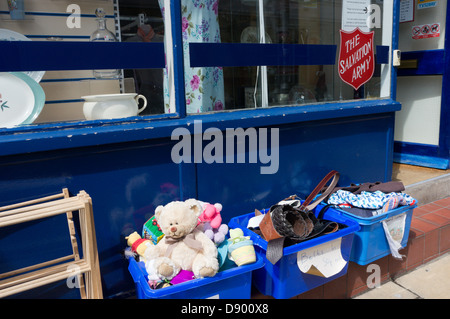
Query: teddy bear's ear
(197, 210)
(158, 211)
(195, 206)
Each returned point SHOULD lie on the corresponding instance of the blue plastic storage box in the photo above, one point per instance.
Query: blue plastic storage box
(370, 241)
(232, 283)
(284, 279)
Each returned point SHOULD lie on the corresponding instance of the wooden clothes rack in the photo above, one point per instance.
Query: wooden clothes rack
(85, 269)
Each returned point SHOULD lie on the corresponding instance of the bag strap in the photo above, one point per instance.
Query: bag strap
(275, 241)
(307, 205)
(266, 225)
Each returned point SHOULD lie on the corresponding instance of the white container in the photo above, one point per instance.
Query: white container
(112, 106)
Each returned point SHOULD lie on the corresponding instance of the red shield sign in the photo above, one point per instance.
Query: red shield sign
(356, 57)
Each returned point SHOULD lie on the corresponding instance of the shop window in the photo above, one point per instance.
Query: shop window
(57, 23)
(143, 22)
(294, 63)
(286, 24)
(217, 88)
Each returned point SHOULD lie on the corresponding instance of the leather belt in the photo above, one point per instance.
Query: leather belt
(297, 224)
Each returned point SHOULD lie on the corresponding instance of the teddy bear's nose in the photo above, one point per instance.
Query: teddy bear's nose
(173, 229)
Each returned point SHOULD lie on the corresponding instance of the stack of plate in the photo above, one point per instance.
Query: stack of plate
(21, 96)
(21, 99)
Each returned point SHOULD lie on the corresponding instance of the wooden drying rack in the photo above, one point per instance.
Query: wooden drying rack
(85, 269)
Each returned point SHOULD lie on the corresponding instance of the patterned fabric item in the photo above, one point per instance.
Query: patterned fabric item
(371, 200)
(203, 86)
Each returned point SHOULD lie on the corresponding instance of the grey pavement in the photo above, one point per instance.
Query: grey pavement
(429, 281)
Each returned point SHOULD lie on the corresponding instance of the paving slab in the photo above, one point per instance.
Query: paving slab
(429, 281)
(389, 290)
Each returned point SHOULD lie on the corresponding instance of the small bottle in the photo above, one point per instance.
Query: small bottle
(102, 34)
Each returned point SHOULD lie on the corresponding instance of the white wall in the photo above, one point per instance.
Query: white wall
(424, 16)
(419, 119)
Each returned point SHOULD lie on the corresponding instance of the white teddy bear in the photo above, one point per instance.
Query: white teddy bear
(183, 246)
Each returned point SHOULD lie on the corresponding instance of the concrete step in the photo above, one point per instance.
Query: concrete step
(430, 190)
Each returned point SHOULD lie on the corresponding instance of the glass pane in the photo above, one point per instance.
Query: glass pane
(142, 21)
(204, 87)
(59, 95)
(313, 22)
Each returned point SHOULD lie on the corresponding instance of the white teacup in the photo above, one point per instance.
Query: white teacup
(112, 106)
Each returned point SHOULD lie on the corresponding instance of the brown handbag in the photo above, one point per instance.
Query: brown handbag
(296, 223)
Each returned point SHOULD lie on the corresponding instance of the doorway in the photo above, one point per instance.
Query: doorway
(422, 126)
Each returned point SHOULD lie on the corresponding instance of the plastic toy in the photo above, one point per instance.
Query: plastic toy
(240, 248)
(138, 245)
(211, 222)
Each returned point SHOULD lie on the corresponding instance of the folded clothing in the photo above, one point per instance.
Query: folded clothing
(370, 200)
(387, 187)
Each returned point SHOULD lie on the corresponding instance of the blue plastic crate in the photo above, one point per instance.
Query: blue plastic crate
(284, 279)
(370, 241)
(232, 283)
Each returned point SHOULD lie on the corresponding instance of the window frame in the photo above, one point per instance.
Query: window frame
(64, 135)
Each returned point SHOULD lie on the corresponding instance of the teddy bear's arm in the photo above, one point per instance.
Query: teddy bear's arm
(209, 248)
(154, 251)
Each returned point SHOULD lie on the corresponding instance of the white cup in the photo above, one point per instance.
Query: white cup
(112, 106)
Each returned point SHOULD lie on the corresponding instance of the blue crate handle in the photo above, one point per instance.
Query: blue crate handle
(376, 218)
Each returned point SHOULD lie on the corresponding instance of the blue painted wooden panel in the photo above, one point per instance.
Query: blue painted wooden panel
(422, 160)
(128, 180)
(421, 155)
(73, 135)
(444, 132)
(42, 55)
(419, 149)
(359, 148)
(429, 63)
(126, 183)
(253, 54)
(382, 54)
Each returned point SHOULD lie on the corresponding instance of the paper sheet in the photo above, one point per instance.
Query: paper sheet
(354, 14)
(324, 260)
(394, 229)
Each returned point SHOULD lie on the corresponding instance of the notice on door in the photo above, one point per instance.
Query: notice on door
(355, 14)
(406, 10)
(426, 31)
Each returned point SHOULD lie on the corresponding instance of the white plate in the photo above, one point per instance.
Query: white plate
(8, 35)
(39, 96)
(18, 102)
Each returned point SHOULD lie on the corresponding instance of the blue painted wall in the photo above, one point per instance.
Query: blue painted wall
(128, 180)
